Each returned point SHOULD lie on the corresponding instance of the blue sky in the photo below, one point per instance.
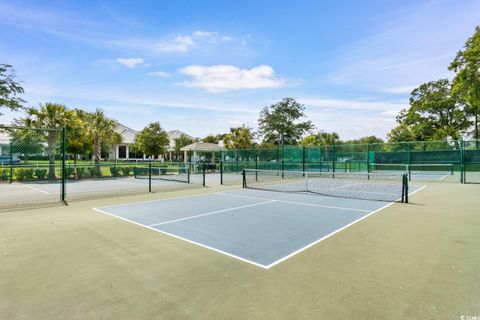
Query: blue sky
(204, 66)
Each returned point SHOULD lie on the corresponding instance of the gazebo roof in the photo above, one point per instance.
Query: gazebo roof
(202, 146)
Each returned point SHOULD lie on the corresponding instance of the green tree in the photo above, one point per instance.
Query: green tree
(78, 141)
(239, 138)
(10, 89)
(328, 138)
(466, 84)
(213, 138)
(281, 123)
(101, 131)
(310, 140)
(434, 114)
(50, 116)
(26, 143)
(152, 140)
(365, 140)
(182, 141)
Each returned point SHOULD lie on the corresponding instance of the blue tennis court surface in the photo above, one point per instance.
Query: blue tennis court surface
(263, 228)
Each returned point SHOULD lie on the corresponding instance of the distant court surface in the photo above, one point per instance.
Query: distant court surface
(262, 228)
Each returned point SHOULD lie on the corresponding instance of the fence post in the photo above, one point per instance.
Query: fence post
(64, 174)
(303, 158)
(462, 162)
(204, 167)
(11, 162)
(221, 172)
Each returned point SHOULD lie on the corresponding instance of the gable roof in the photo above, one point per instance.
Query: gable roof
(202, 146)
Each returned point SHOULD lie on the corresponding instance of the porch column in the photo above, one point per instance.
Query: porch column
(185, 154)
(127, 150)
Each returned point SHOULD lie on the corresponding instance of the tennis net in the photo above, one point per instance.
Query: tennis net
(370, 186)
(176, 173)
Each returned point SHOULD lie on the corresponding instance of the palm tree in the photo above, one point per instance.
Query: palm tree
(239, 138)
(101, 131)
(49, 116)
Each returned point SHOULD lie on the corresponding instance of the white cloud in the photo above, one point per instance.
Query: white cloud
(130, 62)
(160, 74)
(221, 78)
(400, 89)
(352, 104)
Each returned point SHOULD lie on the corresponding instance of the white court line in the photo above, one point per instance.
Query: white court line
(295, 202)
(334, 232)
(36, 189)
(237, 257)
(213, 212)
(184, 239)
(346, 186)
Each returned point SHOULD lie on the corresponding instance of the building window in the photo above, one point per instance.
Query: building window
(122, 152)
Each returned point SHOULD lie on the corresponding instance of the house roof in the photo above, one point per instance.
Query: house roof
(202, 146)
(128, 134)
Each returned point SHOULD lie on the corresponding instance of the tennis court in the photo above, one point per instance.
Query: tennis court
(261, 227)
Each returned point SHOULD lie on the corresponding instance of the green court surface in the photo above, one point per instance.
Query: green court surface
(408, 261)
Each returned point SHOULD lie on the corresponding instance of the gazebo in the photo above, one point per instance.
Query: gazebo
(203, 147)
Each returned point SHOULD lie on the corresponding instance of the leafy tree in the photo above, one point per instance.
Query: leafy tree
(26, 142)
(434, 114)
(365, 140)
(281, 123)
(328, 139)
(310, 140)
(101, 131)
(182, 141)
(239, 138)
(51, 116)
(78, 141)
(152, 140)
(9, 89)
(212, 138)
(466, 84)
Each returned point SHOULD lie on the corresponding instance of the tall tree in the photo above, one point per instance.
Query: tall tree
(328, 138)
(213, 138)
(101, 131)
(10, 89)
(281, 123)
(365, 140)
(182, 141)
(239, 138)
(466, 84)
(152, 140)
(49, 116)
(434, 114)
(78, 141)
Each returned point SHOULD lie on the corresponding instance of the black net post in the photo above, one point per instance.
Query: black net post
(149, 177)
(405, 186)
(244, 180)
(221, 172)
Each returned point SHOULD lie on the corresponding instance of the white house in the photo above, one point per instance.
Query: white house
(123, 151)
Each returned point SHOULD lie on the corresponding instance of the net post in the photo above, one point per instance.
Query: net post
(204, 167)
(405, 188)
(188, 174)
(221, 172)
(64, 176)
(244, 180)
(149, 177)
(256, 170)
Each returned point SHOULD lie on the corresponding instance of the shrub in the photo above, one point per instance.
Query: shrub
(82, 172)
(95, 171)
(114, 171)
(69, 171)
(4, 174)
(24, 174)
(126, 170)
(40, 174)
